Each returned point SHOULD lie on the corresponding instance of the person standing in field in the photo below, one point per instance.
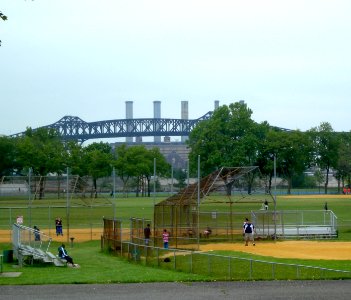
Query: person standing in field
(58, 224)
(147, 234)
(36, 233)
(248, 231)
(165, 237)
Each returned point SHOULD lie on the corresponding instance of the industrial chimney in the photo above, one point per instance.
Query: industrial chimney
(184, 116)
(157, 115)
(129, 116)
(216, 104)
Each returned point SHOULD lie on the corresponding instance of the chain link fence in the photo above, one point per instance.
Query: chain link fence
(224, 267)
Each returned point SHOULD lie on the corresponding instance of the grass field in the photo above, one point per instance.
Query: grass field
(99, 267)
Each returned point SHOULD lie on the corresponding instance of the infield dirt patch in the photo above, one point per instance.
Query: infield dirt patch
(290, 249)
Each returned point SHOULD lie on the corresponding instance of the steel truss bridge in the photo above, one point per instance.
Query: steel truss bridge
(74, 128)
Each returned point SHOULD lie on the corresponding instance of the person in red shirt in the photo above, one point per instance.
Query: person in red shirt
(165, 237)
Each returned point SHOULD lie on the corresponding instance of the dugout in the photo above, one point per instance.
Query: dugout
(111, 238)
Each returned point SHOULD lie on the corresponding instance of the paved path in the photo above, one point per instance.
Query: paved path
(338, 289)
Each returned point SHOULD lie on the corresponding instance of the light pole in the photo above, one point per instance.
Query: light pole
(187, 172)
(198, 202)
(67, 204)
(30, 197)
(172, 178)
(114, 192)
(275, 197)
(154, 180)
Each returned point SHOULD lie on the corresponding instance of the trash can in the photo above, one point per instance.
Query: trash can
(8, 256)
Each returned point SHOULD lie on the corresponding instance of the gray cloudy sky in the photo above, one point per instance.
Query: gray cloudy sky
(289, 60)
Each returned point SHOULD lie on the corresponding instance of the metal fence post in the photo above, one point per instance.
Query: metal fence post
(158, 256)
(297, 272)
(209, 265)
(191, 262)
(250, 268)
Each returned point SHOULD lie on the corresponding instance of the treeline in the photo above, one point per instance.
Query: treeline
(232, 138)
(229, 138)
(42, 152)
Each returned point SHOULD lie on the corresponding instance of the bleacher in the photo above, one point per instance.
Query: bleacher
(27, 250)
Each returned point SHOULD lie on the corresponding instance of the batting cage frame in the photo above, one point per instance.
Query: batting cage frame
(181, 215)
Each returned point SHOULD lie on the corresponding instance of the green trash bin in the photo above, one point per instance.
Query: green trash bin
(8, 256)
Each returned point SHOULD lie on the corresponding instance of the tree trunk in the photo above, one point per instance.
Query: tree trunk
(95, 187)
(42, 187)
(326, 181)
(148, 186)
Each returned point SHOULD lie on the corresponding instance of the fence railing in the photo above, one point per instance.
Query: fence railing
(84, 221)
(224, 267)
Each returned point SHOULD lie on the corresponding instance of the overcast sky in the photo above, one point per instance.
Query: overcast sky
(290, 61)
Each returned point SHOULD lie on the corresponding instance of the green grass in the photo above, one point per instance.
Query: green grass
(95, 267)
(101, 267)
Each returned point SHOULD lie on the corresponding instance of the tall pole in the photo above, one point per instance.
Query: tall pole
(198, 202)
(154, 180)
(30, 197)
(67, 204)
(172, 179)
(114, 192)
(187, 172)
(275, 197)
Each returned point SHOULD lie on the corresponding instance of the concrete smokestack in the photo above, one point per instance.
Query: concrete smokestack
(216, 104)
(184, 116)
(157, 115)
(129, 115)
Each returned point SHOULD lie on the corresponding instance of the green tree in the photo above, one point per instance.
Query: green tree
(343, 167)
(124, 164)
(229, 138)
(98, 160)
(292, 150)
(7, 156)
(162, 166)
(43, 152)
(181, 177)
(138, 162)
(325, 146)
(4, 18)
(75, 158)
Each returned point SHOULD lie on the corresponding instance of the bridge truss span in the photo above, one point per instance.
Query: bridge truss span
(74, 128)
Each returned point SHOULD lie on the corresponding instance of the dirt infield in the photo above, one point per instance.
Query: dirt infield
(80, 235)
(291, 249)
(332, 250)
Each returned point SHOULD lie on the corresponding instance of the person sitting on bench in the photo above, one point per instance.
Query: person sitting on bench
(63, 254)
